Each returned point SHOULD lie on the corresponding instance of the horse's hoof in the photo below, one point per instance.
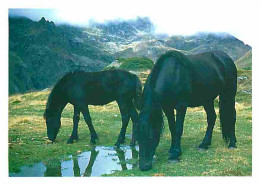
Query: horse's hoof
(93, 142)
(173, 160)
(202, 149)
(132, 144)
(174, 156)
(233, 147)
(119, 142)
(70, 141)
(117, 145)
(204, 146)
(94, 137)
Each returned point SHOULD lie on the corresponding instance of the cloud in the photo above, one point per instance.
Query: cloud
(172, 17)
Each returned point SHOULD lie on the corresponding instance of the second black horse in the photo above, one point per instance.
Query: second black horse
(93, 88)
(177, 82)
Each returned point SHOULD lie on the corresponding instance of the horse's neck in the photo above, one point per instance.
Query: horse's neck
(60, 108)
(56, 100)
(151, 103)
(56, 107)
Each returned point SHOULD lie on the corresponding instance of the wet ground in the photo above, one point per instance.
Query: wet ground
(100, 160)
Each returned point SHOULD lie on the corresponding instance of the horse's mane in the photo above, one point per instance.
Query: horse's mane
(152, 113)
(181, 58)
(56, 92)
(155, 110)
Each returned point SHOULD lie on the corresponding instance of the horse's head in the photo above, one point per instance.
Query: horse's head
(53, 124)
(148, 133)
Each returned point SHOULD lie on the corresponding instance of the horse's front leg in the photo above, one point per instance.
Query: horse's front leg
(175, 152)
(74, 134)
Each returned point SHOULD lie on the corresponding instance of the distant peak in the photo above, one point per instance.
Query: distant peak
(45, 22)
(43, 19)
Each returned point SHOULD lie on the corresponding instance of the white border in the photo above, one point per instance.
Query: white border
(253, 23)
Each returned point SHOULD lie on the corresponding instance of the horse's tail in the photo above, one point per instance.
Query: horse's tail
(138, 93)
(227, 109)
(227, 114)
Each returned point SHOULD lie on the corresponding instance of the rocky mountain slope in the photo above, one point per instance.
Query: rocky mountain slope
(136, 38)
(40, 52)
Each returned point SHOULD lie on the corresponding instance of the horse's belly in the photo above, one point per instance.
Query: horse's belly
(200, 98)
(100, 100)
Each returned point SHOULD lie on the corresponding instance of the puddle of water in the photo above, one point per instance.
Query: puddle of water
(100, 160)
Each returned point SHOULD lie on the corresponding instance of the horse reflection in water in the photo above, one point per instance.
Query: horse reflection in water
(96, 162)
(53, 168)
(122, 158)
(93, 157)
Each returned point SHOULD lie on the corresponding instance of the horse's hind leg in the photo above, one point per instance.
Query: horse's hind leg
(125, 120)
(88, 120)
(74, 134)
(134, 118)
(211, 119)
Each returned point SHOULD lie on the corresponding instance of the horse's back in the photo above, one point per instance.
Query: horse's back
(215, 58)
(212, 73)
(193, 79)
(98, 88)
(213, 66)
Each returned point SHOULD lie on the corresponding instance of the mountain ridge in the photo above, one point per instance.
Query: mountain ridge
(40, 52)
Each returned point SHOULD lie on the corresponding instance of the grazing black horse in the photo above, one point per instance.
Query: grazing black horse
(177, 82)
(93, 88)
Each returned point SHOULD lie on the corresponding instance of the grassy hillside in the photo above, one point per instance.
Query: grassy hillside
(28, 143)
(41, 52)
(245, 62)
(132, 64)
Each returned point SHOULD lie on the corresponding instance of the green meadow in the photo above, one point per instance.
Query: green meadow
(28, 143)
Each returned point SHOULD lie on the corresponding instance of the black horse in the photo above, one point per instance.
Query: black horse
(93, 88)
(177, 82)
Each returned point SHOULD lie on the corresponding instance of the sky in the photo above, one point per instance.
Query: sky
(172, 17)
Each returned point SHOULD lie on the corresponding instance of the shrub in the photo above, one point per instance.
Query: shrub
(134, 64)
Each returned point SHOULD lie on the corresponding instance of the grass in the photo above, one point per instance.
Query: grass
(245, 62)
(134, 64)
(28, 143)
